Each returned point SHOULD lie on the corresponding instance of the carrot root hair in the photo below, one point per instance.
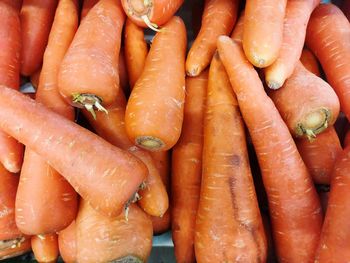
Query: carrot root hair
(88, 101)
(142, 8)
(149, 143)
(314, 123)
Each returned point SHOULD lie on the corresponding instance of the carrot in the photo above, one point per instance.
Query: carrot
(310, 62)
(263, 31)
(327, 36)
(123, 73)
(103, 239)
(237, 33)
(88, 75)
(36, 20)
(154, 121)
(102, 174)
(67, 243)
(34, 78)
(45, 247)
(187, 169)
(294, 31)
(152, 14)
(135, 51)
(219, 17)
(87, 5)
(14, 247)
(335, 231)
(293, 202)
(306, 103)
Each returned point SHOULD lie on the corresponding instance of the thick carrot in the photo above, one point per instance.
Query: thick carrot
(154, 112)
(87, 5)
(136, 51)
(67, 243)
(327, 36)
(123, 73)
(45, 247)
(263, 31)
(294, 31)
(307, 103)
(103, 239)
(293, 202)
(14, 247)
(310, 62)
(320, 154)
(88, 75)
(102, 174)
(36, 20)
(187, 169)
(219, 17)
(146, 13)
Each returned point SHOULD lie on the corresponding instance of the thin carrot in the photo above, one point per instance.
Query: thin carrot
(103, 239)
(263, 31)
(294, 31)
(187, 169)
(307, 103)
(219, 17)
(136, 51)
(45, 248)
(87, 5)
(310, 62)
(36, 20)
(154, 112)
(123, 73)
(88, 75)
(293, 202)
(14, 247)
(67, 243)
(327, 36)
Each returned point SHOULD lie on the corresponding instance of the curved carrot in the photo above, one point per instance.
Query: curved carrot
(87, 5)
(136, 51)
(307, 103)
(293, 202)
(219, 17)
(310, 62)
(67, 243)
(320, 154)
(154, 112)
(103, 239)
(88, 75)
(45, 248)
(14, 247)
(187, 169)
(102, 174)
(263, 31)
(327, 36)
(294, 31)
(36, 20)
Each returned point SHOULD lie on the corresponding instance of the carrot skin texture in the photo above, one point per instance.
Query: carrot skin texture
(36, 20)
(67, 243)
(15, 247)
(219, 17)
(310, 62)
(87, 5)
(293, 201)
(187, 169)
(45, 248)
(327, 36)
(92, 166)
(261, 44)
(146, 112)
(294, 31)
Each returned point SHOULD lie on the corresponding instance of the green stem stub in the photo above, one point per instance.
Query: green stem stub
(128, 259)
(88, 101)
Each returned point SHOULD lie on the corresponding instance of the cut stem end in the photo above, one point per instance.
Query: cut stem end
(314, 123)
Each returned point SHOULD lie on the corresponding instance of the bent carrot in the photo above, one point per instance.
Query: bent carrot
(263, 31)
(293, 202)
(88, 75)
(294, 31)
(45, 248)
(36, 20)
(327, 36)
(154, 122)
(87, 5)
(103, 239)
(67, 243)
(307, 103)
(14, 247)
(219, 17)
(187, 169)
(310, 62)
(102, 174)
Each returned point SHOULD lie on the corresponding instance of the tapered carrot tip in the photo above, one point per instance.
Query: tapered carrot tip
(128, 259)
(314, 123)
(88, 101)
(192, 72)
(273, 85)
(149, 143)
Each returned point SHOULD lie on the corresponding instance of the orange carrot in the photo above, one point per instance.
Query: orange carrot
(103, 239)
(154, 112)
(88, 75)
(320, 154)
(45, 248)
(67, 243)
(293, 202)
(36, 19)
(219, 17)
(310, 62)
(14, 247)
(123, 73)
(327, 36)
(187, 169)
(263, 31)
(307, 103)
(227, 183)
(135, 51)
(87, 5)
(294, 31)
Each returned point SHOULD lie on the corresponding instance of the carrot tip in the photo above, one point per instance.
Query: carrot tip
(149, 143)
(273, 85)
(151, 25)
(314, 123)
(128, 259)
(193, 72)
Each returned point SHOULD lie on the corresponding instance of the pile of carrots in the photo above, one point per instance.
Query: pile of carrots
(238, 144)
